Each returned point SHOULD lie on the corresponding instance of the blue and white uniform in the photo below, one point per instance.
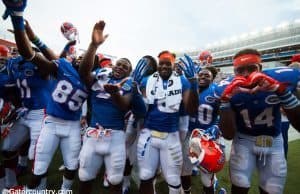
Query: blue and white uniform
(105, 138)
(159, 141)
(258, 141)
(34, 94)
(61, 125)
(206, 116)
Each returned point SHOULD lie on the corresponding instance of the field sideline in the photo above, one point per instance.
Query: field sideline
(292, 183)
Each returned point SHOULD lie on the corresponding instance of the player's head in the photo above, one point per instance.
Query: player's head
(205, 78)
(166, 61)
(246, 61)
(205, 58)
(4, 54)
(152, 64)
(122, 68)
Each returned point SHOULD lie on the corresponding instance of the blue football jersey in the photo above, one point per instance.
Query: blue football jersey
(256, 114)
(289, 76)
(104, 111)
(163, 121)
(33, 89)
(67, 92)
(207, 114)
(5, 80)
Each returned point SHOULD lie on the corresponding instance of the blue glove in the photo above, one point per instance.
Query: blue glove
(140, 70)
(212, 132)
(188, 67)
(14, 8)
(197, 68)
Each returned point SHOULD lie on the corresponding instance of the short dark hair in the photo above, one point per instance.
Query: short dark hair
(213, 71)
(247, 51)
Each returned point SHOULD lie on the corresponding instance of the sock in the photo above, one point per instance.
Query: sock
(126, 181)
(67, 184)
(22, 160)
(10, 178)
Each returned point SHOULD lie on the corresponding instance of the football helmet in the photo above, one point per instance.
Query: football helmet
(205, 152)
(4, 51)
(205, 57)
(69, 31)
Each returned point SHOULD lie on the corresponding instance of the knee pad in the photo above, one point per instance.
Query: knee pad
(207, 179)
(115, 179)
(241, 180)
(84, 175)
(173, 180)
(272, 188)
(146, 174)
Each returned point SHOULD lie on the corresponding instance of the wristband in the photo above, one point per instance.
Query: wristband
(288, 100)
(67, 48)
(37, 42)
(18, 23)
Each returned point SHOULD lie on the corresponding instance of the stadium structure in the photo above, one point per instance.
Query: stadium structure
(276, 45)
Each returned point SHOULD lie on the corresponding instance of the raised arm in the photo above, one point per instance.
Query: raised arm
(87, 62)
(15, 10)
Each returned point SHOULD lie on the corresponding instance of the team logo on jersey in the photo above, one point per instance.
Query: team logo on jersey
(272, 99)
(28, 72)
(126, 87)
(210, 99)
(174, 92)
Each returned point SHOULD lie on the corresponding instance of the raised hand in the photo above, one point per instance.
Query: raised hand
(97, 36)
(140, 70)
(188, 67)
(14, 8)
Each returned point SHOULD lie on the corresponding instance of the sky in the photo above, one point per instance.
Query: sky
(141, 27)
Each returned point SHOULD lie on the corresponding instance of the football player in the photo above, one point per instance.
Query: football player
(250, 115)
(104, 141)
(61, 125)
(159, 141)
(205, 119)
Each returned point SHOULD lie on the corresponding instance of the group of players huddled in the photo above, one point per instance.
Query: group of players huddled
(167, 116)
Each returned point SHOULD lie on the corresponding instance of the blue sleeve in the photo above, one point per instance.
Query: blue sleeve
(138, 106)
(126, 87)
(144, 83)
(185, 84)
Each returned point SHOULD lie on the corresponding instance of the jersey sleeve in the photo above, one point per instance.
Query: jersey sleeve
(185, 84)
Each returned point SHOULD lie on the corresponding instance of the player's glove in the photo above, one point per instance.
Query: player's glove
(237, 85)
(188, 67)
(263, 82)
(14, 8)
(140, 70)
(212, 132)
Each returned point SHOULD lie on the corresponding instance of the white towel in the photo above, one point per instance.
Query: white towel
(168, 99)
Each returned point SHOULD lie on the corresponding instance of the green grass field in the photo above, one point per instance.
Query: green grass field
(292, 183)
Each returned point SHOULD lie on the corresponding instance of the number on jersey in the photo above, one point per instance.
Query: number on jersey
(205, 112)
(264, 118)
(62, 94)
(24, 88)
